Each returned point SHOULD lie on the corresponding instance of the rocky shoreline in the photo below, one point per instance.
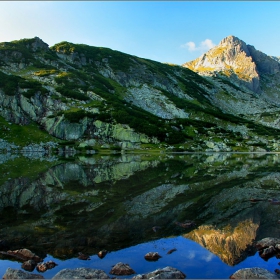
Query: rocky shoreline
(32, 151)
(268, 247)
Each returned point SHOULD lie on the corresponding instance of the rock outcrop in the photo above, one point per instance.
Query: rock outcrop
(12, 273)
(162, 273)
(253, 273)
(81, 273)
(122, 269)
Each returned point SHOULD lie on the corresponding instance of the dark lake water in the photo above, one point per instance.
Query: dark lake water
(58, 207)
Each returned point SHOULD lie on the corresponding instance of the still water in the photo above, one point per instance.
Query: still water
(60, 207)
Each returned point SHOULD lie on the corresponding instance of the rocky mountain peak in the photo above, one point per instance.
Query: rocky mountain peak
(232, 58)
(38, 44)
(232, 42)
(240, 62)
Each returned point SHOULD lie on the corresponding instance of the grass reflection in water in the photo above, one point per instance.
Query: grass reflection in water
(114, 203)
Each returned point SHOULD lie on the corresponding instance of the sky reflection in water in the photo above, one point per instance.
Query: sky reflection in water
(191, 258)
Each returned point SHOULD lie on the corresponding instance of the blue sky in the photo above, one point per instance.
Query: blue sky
(165, 31)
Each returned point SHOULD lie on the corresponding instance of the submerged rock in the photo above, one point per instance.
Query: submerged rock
(171, 251)
(156, 228)
(20, 274)
(268, 247)
(122, 269)
(267, 242)
(268, 252)
(29, 265)
(152, 256)
(51, 264)
(186, 224)
(42, 267)
(83, 256)
(101, 254)
(81, 273)
(24, 254)
(162, 273)
(253, 273)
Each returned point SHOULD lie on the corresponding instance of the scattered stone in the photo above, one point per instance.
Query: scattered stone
(186, 224)
(29, 265)
(102, 254)
(267, 242)
(42, 267)
(163, 273)
(268, 252)
(152, 256)
(83, 256)
(171, 251)
(256, 199)
(122, 269)
(12, 273)
(51, 264)
(23, 254)
(81, 273)
(253, 273)
(156, 228)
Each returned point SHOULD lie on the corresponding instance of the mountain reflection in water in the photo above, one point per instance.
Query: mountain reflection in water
(92, 203)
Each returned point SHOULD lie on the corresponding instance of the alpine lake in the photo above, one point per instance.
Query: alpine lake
(210, 207)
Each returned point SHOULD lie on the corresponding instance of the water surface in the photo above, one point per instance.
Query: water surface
(58, 208)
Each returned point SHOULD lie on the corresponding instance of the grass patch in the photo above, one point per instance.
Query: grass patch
(23, 135)
(45, 72)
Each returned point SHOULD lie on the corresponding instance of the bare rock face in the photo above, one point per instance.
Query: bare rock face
(265, 64)
(253, 273)
(39, 44)
(122, 269)
(81, 273)
(163, 273)
(19, 274)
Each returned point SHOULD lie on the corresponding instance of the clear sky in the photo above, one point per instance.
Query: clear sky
(165, 31)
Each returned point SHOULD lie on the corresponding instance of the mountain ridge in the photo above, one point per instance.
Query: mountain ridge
(107, 98)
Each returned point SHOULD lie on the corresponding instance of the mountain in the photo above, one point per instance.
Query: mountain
(94, 98)
(235, 59)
